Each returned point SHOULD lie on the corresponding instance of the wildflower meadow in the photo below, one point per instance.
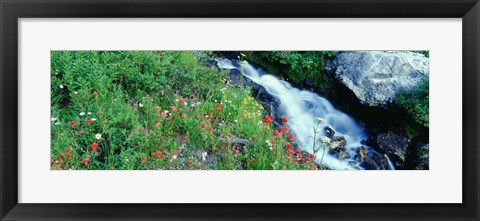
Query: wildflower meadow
(147, 110)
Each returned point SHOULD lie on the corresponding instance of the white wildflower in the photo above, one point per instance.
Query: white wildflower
(53, 119)
(98, 136)
(94, 119)
(75, 92)
(57, 123)
(192, 105)
(320, 119)
(236, 121)
(140, 105)
(89, 113)
(174, 157)
(204, 156)
(325, 139)
(82, 113)
(61, 86)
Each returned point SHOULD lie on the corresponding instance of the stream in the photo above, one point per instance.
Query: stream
(314, 120)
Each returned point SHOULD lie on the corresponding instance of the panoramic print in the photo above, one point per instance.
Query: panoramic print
(239, 110)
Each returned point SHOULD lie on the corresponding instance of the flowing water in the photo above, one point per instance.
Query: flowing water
(306, 111)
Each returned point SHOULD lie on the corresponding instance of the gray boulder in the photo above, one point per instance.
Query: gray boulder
(375, 77)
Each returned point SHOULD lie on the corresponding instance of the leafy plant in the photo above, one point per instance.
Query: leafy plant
(416, 103)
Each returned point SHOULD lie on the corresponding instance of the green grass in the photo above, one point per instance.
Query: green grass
(145, 110)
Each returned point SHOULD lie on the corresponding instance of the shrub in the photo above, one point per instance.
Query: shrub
(305, 68)
(416, 103)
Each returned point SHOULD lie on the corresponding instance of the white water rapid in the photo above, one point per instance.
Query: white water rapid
(303, 108)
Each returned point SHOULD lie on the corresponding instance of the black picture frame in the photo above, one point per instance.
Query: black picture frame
(11, 11)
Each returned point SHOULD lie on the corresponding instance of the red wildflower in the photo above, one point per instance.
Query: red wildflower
(219, 110)
(163, 156)
(169, 119)
(69, 155)
(85, 161)
(311, 156)
(181, 100)
(236, 152)
(157, 108)
(284, 129)
(313, 167)
(121, 76)
(208, 117)
(73, 123)
(69, 149)
(62, 156)
(95, 94)
(51, 163)
(58, 162)
(89, 121)
(230, 136)
(179, 111)
(284, 119)
(184, 116)
(190, 162)
(307, 160)
(185, 138)
(94, 146)
(164, 114)
(297, 151)
(158, 116)
(210, 128)
(157, 125)
(288, 146)
(143, 159)
(212, 111)
(277, 133)
(173, 108)
(203, 126)
(291, 137)
(268, 119)
(217, 105)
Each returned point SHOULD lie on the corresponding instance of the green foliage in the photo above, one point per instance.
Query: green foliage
(426, 53)
(157, 110)
(305, 68)
(416, 103)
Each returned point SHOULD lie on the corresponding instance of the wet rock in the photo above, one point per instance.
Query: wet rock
(340, 153)
(394, 145)
(375, 162)
(423, 158)
(375, 77)
(337, 142)
(369, 159)
(212, 63)
(329, 132)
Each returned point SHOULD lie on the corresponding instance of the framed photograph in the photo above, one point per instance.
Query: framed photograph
(255, 110)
